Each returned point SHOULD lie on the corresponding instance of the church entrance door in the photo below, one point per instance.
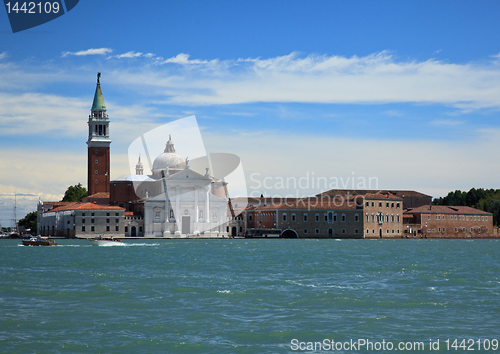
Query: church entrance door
(133, 231)
(186, 223)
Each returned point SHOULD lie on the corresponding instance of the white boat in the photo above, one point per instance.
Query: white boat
(106, 241)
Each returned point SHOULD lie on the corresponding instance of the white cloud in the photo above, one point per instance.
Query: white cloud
(3, 55)
(183, 59)
(374, 79)
(92, 51)
(447, 122)
(36, 113)
(131, 54)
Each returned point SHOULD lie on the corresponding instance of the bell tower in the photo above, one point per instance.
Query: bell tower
(98, 145)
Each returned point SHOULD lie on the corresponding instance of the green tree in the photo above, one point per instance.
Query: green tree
(75, 193)
(29, 221)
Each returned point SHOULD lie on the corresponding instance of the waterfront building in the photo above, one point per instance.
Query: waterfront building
(179, 201)
(440, 221)
(79, 219)
(371, 215)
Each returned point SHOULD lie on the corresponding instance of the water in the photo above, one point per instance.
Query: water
(245, 296)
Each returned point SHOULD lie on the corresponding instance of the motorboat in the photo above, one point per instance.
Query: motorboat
(38, 241)
(106, 241)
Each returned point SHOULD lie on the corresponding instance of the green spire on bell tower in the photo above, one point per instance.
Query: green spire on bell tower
(98, 104)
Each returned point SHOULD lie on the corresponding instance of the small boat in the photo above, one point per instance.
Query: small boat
(106, 241)
(39, 241)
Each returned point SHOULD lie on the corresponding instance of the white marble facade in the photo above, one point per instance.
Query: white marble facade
(190, 207)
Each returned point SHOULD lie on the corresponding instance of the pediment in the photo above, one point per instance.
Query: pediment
(188, 175)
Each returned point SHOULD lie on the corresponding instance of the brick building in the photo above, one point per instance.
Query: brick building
(439, 221)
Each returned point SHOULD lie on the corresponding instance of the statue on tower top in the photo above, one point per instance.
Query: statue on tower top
(98, 77)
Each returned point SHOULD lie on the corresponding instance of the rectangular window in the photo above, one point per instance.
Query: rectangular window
(343, 217)
(107, 228)
(439, 229)
(397, 205)
(326, 217)
(373, 204)
(482, 218)
(356, 218)
(293, 217)
(83, 221)
(343, 231)
(107, 221)
(367, 204)
(387, 204)
(367, 217)
(356, 231)
(92, 229)
(92, 221)
(107, 214)
(305, 231)
(380, 204)
(117, 228)
(335, 217)
(83, 214)
(118, 220)
(392, 205)
(305, 217)
(316, 231)
(126, 229)
(486, 218)
(284, 217)
(83, 228)
(317, 217)
(92, 214)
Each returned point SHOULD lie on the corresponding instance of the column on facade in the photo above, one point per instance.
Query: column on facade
(196, 211)
(177, 204)
(207, 204)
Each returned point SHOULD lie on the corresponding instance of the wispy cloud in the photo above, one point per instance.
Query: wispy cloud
(183, 59)
(447, 122)
(373, 79)
(92, 51)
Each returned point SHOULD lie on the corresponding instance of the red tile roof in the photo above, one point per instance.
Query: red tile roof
(445, 209)
(399, 193)
(100, 195)
(84, 206)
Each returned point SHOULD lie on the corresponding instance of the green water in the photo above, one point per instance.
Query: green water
(245, 296)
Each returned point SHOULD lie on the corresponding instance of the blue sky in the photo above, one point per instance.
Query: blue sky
(407, 92)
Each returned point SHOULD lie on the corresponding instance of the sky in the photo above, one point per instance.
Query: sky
(311, 95)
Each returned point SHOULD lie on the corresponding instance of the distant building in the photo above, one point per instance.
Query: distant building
(439, 221)
(78, 219)
(373, 215)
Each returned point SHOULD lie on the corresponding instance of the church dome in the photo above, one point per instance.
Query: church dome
(168, 159)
